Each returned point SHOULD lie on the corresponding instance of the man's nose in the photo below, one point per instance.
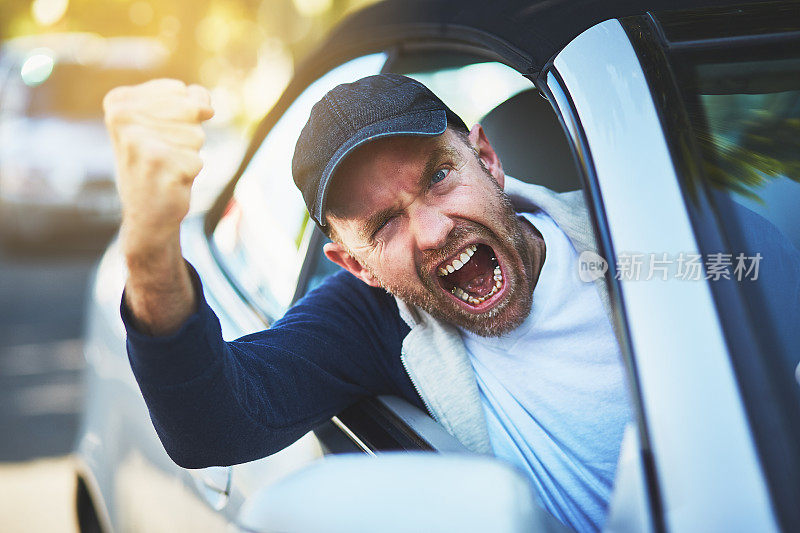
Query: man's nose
(431, 227)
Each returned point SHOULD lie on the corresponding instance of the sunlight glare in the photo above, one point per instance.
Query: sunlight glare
(48, 12)
(37, 67)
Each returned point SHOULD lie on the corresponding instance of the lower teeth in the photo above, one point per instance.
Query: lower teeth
(465, 296)
(497, 277)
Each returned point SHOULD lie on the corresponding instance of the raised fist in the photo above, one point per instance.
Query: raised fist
(156, 134)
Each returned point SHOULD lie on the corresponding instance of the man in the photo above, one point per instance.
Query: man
(489, 327)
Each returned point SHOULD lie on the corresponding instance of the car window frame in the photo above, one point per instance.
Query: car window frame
(337, 435)
(381, 414)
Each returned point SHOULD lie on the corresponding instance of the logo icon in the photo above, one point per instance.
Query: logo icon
(591, 266)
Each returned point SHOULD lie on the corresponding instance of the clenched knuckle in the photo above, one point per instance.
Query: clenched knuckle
(167, 84)
(114, 95)
(193, 167)
(153, 156)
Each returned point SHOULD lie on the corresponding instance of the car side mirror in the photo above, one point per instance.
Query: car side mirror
(399, 492)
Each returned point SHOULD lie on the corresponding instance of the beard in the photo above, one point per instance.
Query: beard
(507, 239)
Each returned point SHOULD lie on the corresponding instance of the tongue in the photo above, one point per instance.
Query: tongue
(477, 275)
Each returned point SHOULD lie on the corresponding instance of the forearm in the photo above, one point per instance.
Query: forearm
(159, 291)
(156, 134)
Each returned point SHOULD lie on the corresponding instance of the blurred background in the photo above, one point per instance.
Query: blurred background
(58, 204)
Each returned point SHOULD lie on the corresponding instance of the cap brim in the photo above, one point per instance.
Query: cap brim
(426, 123)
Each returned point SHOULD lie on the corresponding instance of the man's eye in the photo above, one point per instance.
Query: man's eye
(439, 175)
(382, 225)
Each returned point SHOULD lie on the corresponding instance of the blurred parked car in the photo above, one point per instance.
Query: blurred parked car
(56, 165)
(660, 116)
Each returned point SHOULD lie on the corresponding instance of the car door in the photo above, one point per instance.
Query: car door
(257, 252)
(605, 100)
(704, 370)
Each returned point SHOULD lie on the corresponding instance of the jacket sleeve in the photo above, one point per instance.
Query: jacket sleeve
(214, 402)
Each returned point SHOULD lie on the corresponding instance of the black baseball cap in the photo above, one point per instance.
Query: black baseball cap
(353, 114)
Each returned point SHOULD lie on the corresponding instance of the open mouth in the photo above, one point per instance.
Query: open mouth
(473, 275)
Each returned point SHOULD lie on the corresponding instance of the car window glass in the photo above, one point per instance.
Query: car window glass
(259, 237)
(753, 151)
(746, 121)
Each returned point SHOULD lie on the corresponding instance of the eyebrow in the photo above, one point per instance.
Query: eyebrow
(438, 154)
(375, 220)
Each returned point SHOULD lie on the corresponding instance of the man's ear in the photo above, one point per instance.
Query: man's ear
(337, 253)
(479, 141)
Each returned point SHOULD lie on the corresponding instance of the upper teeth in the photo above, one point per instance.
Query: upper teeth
(458, 262)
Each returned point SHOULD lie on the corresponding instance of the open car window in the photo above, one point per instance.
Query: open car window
(260, 237)
(269, 246)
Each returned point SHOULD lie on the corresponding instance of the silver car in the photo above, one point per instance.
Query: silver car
(672, 122)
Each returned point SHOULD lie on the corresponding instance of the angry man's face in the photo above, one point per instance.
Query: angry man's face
(426, 218)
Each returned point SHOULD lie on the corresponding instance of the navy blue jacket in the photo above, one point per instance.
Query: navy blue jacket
(219, 403)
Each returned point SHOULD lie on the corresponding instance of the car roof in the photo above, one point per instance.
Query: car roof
(526, 33)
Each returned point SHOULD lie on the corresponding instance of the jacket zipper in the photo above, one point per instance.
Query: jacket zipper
(416, 387)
